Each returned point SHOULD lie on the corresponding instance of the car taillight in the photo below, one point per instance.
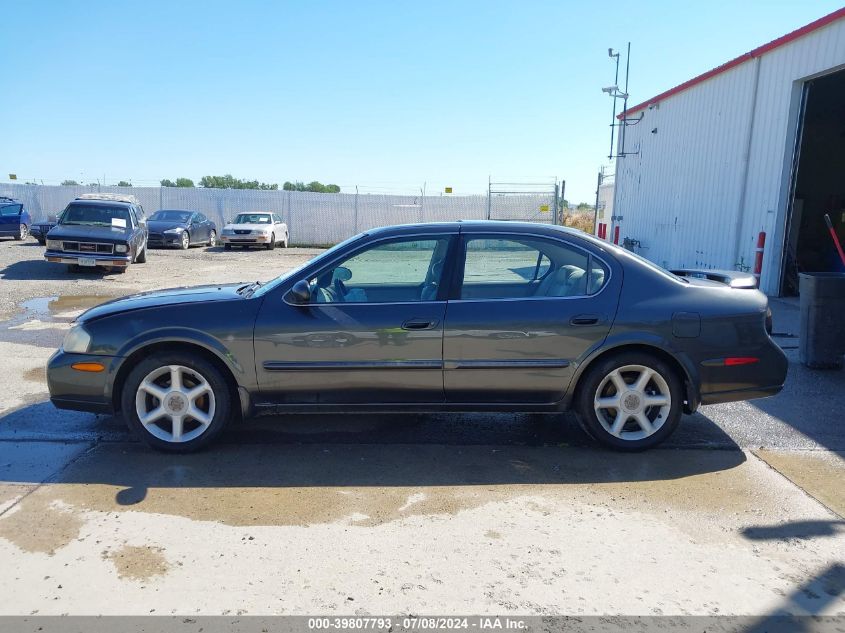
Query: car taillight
(732, 361)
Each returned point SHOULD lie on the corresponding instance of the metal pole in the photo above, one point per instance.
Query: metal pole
(488, 197)
(625, 100)
(356, 211)
(596, 211)
(613, 118)
(562, 197)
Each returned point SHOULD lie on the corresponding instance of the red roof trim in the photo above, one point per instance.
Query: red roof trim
(757, 52)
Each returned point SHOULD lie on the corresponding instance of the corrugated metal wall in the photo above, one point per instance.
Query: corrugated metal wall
(682, 195)
(312, 218)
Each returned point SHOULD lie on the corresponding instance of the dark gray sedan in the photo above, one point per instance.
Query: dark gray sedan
(475, 316)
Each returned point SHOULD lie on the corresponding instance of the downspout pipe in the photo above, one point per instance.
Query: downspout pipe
(740, 212)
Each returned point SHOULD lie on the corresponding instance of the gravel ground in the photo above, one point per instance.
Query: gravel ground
(26, 275)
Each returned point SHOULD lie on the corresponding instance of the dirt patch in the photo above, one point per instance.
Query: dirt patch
(40, 524)
(819, 473)
(36, 374)
(133, 562)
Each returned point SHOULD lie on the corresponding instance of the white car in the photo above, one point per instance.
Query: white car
(259, 228)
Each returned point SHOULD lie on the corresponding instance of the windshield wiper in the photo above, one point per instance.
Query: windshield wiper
(247, 289)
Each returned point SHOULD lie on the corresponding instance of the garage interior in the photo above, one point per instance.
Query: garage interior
(818, 185)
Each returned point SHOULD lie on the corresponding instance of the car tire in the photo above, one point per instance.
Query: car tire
(212, 238)
(185, 244)
(42, 242)
(632, 424)
(227, 247)
(23, 232)
(173, 431)
(141, 258)
(285, 242)
(272, 243)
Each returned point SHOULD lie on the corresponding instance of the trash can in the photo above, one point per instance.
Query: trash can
(822, 343)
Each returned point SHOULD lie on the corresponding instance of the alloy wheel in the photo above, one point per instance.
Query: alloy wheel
(186, 241)
(175, 403)
(632, 402)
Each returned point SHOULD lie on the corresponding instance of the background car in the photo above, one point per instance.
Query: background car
(14, 219)
(261, 228)
(39, 230)
(455, 316)
(174, 227)
(99, 231)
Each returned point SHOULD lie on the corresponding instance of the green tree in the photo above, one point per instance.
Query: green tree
(69, 183)
(313, 186)
(167, 183)
(230, 182)
(123, 183)
(584, 206)
(184, 182)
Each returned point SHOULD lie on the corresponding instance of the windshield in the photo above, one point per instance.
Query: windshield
(171, 216)
(94, 215)
(253, 218)
(273, 283)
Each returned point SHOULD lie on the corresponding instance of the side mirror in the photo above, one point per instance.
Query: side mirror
(300, 293)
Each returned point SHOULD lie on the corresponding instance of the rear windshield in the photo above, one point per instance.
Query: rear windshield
(94, 215)
(171, 216)
(253, 218)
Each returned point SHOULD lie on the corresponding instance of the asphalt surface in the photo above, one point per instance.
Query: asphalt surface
(742, 511)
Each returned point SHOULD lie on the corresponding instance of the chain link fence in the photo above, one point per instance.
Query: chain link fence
(312, 218)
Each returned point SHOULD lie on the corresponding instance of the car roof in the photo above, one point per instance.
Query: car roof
(8, 200)
(110, 197)
(97, 201)
(475, 226)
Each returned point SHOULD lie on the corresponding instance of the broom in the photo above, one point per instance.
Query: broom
(835, 237)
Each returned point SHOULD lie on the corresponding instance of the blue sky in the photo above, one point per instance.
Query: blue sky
(384, 95)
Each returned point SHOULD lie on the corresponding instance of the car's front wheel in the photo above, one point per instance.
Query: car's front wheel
(185, 242)
(212, 238)
(23, 232)
(631, 401)
(176, 402)
(272, 244)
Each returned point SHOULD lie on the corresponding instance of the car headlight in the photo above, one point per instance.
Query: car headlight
(54, 245)
(173, 231)
(77, 340)
(120, 248)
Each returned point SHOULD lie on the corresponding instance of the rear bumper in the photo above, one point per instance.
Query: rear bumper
(59, 257)
(750, 393)
(79, 390)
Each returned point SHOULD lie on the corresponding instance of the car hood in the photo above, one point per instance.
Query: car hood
(159, 298)
(162, 225)
(251, 227)
(82, 232)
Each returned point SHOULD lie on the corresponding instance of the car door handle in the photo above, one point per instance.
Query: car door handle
(419, 324)
(584, 319)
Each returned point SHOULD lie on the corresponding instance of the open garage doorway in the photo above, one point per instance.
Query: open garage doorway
(818, 184)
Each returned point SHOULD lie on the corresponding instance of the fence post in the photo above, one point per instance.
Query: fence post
(355, 212)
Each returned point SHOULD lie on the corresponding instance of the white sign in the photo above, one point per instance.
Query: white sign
(118, 223)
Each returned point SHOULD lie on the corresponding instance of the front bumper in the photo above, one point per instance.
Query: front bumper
(83, 259)
(80, 390)
(164, 240)
(245, 240)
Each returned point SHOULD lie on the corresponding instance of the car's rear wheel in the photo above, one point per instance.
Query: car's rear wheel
(23, 232)
(176, 402)
(631, 401)
(272, 243)
(185, 242)
(212, 238)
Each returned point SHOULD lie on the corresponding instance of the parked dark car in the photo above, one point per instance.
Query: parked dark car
(455, 316)
(39, 230)
(173, 227)
(99, 230)
(14, 219)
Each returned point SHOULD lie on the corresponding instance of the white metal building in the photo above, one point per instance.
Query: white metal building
(755, 145)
